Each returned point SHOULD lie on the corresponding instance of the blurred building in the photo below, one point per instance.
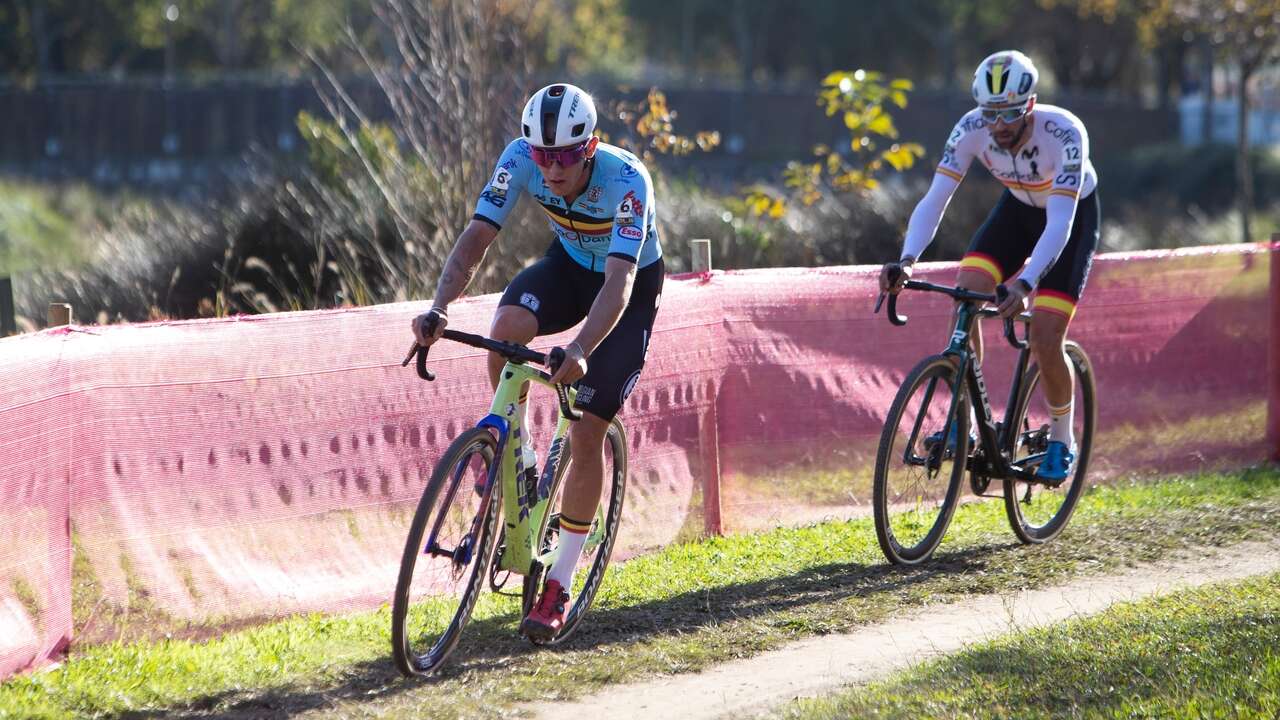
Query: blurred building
(1219, 122)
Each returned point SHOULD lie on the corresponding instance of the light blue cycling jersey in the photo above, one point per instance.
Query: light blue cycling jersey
(614, 217)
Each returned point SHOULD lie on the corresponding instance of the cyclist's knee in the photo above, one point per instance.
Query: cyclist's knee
(1048, 331)
(588, 432)
(512, 323)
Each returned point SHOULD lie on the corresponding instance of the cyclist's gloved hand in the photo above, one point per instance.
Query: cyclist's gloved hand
(894, 275)
(572, 368)
(1013, 298)
(429, 326)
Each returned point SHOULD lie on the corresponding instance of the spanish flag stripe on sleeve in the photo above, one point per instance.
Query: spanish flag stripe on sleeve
(985, 263)
(950, 173)
(1063, 191)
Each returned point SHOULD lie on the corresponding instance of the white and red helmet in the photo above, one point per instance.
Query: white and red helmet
(1005, 79)
(558, 115)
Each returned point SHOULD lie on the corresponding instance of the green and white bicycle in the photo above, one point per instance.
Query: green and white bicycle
(480, 496)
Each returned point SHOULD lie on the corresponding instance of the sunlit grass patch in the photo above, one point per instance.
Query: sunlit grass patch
(1209, 652)
(679, 610)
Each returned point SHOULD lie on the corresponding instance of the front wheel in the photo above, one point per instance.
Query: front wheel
(445, 556)
(601, 537)
(920, 462)
(1037, 512)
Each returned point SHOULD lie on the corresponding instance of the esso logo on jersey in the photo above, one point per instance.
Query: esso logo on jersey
(631, 232)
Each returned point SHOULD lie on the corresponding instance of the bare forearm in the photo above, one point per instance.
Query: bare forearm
(605, 312)
(465, 258)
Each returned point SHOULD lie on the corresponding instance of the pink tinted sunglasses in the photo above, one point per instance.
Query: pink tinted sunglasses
(544, 157)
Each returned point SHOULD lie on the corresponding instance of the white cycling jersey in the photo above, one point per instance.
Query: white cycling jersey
(1053, 161)
(1051, 170)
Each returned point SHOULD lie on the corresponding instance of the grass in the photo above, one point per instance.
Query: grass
(1204, 653)
(679, 610)
(1148, 445)
(42, 225)
(30, 601)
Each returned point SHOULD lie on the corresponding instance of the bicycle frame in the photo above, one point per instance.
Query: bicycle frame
(524, 508)
(997, 439)
(997, 445)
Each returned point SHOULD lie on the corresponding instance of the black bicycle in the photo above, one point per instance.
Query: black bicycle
(925, 447)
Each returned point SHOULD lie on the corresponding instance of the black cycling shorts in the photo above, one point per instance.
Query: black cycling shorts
(559, 292)
(1006, 239)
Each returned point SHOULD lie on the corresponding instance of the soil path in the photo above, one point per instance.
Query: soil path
(744, 688)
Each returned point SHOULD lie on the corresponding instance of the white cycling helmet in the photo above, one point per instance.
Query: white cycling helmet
(1007, 78)
(558, 115)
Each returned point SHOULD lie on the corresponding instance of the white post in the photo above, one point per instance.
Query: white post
(700, 250)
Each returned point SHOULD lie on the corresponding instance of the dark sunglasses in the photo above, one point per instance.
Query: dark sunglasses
(544, 157)
(1006, 115)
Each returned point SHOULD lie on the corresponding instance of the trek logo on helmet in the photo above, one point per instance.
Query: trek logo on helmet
(997, 76)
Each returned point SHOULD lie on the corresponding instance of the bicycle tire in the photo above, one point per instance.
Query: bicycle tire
(616, 439)
(1015, 496)
(477, 441)
(940, 370)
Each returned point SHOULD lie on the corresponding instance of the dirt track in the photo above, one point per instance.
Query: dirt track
(811, 667)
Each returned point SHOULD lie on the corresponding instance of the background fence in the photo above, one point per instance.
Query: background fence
(229, 469)
(149, 132)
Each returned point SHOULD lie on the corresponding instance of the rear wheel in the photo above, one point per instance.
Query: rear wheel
(601, 537)
(918, 472)
(1038, 512)
(446, 555)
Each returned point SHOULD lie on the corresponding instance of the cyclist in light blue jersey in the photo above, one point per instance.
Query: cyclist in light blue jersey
(603, 269)
(614, 217)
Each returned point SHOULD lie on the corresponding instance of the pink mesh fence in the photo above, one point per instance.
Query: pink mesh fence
(230, 469)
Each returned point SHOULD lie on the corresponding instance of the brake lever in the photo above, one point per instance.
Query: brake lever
(413, 350)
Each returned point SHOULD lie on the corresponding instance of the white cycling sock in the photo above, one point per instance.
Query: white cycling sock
(573, 535)
(1060, 422)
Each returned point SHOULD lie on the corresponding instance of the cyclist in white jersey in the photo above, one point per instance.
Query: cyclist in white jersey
(603, 269)
(1048, 211)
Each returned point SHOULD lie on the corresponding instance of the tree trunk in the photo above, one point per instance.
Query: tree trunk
(743, 34)
(1206, 91)
(1244, 176)
(687, 36)
(1170, 57)
(229, 50)
(40, 34)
